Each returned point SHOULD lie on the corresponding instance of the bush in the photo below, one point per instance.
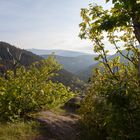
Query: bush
(31, 90)
(111, 108)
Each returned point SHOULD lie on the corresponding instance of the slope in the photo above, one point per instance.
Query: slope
(86, 73)
(7, 52)
(75, 64)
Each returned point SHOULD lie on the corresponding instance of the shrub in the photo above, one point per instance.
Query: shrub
(111, 109)
(31, 90)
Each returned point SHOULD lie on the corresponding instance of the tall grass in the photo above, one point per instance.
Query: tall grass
(20, 131)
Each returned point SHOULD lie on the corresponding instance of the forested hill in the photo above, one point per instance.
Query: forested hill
(69, 79)
(84, 74)
(9, 54)
(74, 64)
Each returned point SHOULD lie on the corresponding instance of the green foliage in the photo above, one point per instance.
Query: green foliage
(31, 90)
(123, 15)
(111, 108)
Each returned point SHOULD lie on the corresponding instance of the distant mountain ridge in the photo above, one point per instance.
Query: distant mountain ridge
(75, 64)
(27, 58)
(87, 72)
(65, 53)
(70, 60)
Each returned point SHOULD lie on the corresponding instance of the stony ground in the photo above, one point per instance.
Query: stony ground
(59, 126)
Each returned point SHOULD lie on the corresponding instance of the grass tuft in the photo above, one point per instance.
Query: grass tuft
(20, 131)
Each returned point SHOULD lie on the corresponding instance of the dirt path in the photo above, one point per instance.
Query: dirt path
(58, 126)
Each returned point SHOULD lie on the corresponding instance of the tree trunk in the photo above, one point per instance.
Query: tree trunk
(137, 34)
(136, 29)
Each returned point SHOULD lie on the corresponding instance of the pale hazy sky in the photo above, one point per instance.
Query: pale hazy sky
(44, 24)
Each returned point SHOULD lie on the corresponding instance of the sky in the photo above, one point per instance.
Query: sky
(44, 24)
